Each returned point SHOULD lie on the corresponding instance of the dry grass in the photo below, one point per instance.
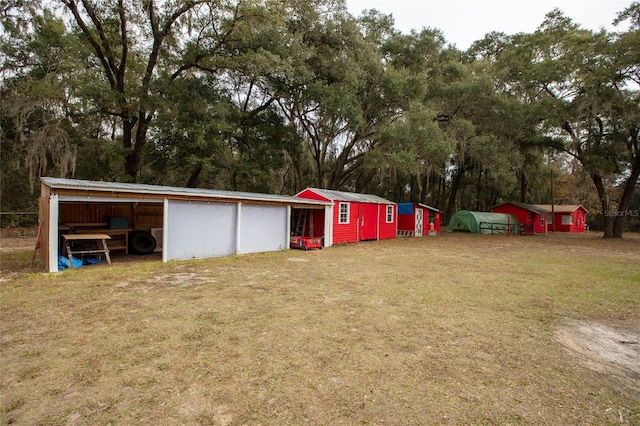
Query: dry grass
(458, 329)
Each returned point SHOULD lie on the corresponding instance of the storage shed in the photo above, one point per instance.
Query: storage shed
(354, 217)
(483, 223)
(532, 219)
(416, 219)
(568, 218)
(188, 223)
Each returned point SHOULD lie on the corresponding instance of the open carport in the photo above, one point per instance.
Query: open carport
(189, 223)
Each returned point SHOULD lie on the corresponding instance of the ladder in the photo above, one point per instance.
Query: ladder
(301, 222)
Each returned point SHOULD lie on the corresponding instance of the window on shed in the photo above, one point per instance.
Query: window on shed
(344, 213)
(567, 219)
(541, 220)
(389, 214)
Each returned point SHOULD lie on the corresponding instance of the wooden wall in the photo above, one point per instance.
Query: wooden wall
(139, 215)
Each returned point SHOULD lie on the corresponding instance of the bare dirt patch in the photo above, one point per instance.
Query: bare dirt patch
(609, 349)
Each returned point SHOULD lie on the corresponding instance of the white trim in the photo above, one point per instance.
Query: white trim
(567, 219)
(387, 215)
(238, 226)
(54, 239)
(288, 225)
(328, 226)
(165, 232)
(340, 222)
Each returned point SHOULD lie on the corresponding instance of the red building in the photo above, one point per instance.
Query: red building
(568, 218)
(418, 220)
(532, 219)
(356, 217)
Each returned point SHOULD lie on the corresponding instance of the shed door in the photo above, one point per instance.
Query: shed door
(369, 222)
(263, 228)
(199, 229)
(419, 222)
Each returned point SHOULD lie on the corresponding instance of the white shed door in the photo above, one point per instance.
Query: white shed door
(263, 228)
(200, 229)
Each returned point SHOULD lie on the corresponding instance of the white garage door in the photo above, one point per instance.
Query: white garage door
(200, 229)
(263, 228)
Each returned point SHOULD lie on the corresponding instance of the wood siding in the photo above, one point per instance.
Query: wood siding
(578, 221)
(139, 215)
(346, 232)
(529, 220)
(387, 230)
(366, 220)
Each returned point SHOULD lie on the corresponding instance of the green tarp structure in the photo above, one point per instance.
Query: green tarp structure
(483, 223)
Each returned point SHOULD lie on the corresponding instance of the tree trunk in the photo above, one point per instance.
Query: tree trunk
(192, 182)
(524, 187)
(607, 221)
(424, 190)
(625, 199)
(455, 185)
(479, 191)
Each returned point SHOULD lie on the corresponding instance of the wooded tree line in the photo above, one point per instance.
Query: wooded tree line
(277, 95)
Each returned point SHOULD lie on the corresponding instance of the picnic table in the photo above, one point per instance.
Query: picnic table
(100, 241)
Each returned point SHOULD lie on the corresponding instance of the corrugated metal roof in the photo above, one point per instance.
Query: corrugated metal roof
(560, 208)
(137, 188)
(349, 196)
(428, 207)
(539, 208)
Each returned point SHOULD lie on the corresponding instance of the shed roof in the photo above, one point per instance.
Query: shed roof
(429, 207)
(560, 208)
(169, 191)
(348, 196)
(539, 208)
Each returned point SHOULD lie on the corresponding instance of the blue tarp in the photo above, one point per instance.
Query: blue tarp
(405, 208)
(63, 262)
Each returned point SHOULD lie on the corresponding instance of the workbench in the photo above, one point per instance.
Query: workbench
(100, 241)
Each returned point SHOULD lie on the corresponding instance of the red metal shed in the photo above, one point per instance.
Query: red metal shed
(356, 217)
(433, 222)
(418, 220)
(568, 218)
(533, 219)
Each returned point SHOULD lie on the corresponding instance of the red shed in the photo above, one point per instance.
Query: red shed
(433, 220)
(533, 219)
(418, 220)
(568, 218)
(356, 217)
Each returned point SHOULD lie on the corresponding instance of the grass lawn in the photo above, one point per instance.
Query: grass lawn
(456, 329)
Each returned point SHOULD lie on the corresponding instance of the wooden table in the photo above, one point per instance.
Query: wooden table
(101, 245)
(119, 237)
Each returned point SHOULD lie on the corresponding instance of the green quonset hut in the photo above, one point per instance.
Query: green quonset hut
(483, 223)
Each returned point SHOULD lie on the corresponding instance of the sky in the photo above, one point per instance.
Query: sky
(464, 21)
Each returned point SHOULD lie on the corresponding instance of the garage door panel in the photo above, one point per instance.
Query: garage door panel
(200, 229)
(263, 228)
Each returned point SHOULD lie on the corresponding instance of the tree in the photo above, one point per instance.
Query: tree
(586, 85)
(35, 128)
(337, 94)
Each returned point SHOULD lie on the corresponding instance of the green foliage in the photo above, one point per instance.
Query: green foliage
(273, 96)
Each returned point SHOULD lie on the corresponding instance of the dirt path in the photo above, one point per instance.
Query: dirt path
(610, 349)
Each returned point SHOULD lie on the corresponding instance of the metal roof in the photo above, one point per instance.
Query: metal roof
(428, 207)
(538, 208)
(561, 208)
(137, 188)
(348, 196)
